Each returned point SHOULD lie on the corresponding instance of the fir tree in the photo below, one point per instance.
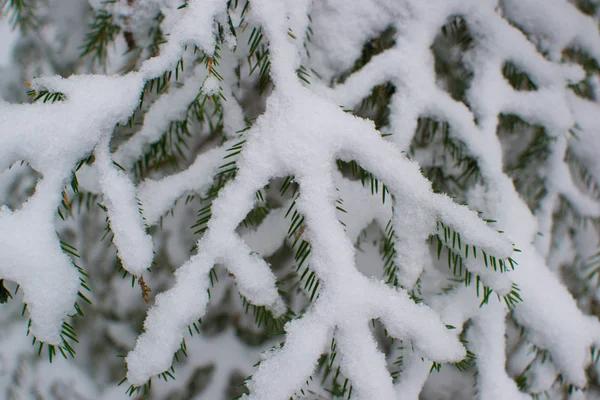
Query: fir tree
(269, 199)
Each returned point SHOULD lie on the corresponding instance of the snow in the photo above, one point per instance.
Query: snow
(134, 245)
(548, 106)
(194, 27)
(280, 142)
(302, 133)
(173, 106)
(85, 120)
(158, 196)
(31, 252)
(541, 23)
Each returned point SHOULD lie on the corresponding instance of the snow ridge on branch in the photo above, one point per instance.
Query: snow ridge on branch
(304, 133)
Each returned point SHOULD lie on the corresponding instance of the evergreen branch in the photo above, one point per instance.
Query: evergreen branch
(457, 252)
(173, 146)
(21, 14)
(264, 318)
(518, 79)
(68, 336)
(102, 32)
(332, 378)
(45, 96)
(4, 293)
(226, 173)
(296, 228)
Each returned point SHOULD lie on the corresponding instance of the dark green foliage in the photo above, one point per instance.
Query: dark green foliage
(258, 58)
(302, 248)
(45, 96)
(102, 32)
(227, 172)
(375, 106)
(4, 293)
(527, 180)
(264, 319)
(68, 335)
(448, 48)
(22, 14)
(451, 169)
(457, 252)
(331, 376)
(373, 47)
(518, 79)
(388, 255)
(583, 88)
(589, 7)
(464, 171)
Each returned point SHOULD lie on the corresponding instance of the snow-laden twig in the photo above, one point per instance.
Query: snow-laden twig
(303, 133)
(299, 126)
(54, 138)
(409, 66)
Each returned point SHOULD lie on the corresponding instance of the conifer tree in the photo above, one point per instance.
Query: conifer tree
(300, 199)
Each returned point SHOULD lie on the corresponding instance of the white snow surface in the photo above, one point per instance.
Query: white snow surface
(302, 132)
